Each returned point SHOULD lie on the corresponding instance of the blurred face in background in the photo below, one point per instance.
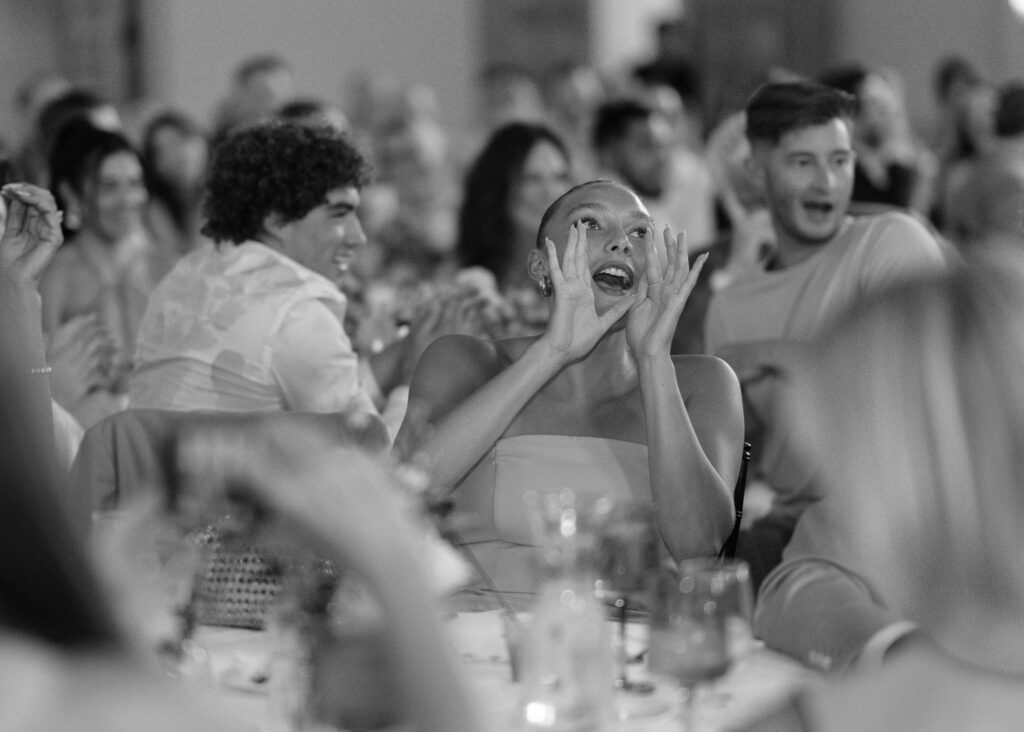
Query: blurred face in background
(880, 110)
(179, 156)
(113, 197)
(641, 157)
(544, 177)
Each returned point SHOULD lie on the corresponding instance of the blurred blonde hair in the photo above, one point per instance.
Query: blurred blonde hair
(913, 411)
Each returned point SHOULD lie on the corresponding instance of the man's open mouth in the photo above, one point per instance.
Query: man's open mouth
(819, 208)
(615, 277)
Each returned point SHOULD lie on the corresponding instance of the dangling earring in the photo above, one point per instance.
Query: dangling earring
(72, 217)
(546, 288)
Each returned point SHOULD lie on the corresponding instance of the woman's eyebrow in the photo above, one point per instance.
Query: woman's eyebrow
(587, 207)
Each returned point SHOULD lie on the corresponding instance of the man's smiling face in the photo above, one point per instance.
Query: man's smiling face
(808, 177)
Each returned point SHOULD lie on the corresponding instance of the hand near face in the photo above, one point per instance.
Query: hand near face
(661, 294)
(32, 233)
(575, 326)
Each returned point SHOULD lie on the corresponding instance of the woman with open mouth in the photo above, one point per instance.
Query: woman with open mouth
(595, 404)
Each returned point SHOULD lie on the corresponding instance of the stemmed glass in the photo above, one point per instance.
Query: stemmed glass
(689, 628)
(627, 552)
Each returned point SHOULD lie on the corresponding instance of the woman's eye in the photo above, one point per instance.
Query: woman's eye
(589, 224)
(642, 233)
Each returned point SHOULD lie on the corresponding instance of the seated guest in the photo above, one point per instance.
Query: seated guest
(921, 516)
(520, 171)
(824, 262)
(635, 143)
(255, 320)
(67, 664)
(987, 206)
(892, 167)
(106, 269)
(596, 403)
(260, 84)
(176, 151)
(523, 168)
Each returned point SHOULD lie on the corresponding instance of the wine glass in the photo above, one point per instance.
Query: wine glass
(627, 552)
(689, 629)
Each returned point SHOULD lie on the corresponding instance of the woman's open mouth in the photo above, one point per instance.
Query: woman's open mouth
(615, 279)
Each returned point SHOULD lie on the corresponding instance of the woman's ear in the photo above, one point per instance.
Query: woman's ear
(537, 264)
(72, 206)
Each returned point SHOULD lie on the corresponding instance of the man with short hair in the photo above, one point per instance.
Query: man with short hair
(634, 143)
(825, 261)
(255, 321)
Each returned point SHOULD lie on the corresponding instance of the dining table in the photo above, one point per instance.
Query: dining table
(238, 667)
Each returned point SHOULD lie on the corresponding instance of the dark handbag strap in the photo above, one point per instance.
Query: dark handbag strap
(728, 550)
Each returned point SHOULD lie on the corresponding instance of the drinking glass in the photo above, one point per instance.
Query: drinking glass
(627, 552)
(736, 596)
(689, 629)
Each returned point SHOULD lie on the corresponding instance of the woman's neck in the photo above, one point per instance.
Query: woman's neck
(609, 368)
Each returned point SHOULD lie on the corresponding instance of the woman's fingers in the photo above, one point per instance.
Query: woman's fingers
(553, 266)
(16, 215)
(694, 272)
(654, 272)
(581, 253)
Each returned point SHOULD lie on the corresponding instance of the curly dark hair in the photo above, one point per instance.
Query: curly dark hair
(276, 167)
(486, 236)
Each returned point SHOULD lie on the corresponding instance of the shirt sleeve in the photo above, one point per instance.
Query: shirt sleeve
(314, 364)
(902, 250)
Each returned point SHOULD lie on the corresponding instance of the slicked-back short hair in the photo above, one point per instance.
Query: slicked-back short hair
(278, 167)
(556, 205)
(776, 109)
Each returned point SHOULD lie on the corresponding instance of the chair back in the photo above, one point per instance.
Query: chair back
(133, 453)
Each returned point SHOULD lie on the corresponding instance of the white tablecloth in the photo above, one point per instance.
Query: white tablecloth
(757, 682)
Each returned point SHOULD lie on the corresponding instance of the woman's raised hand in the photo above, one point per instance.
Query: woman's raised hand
(32, 233)
(661, 294)
(575, 326)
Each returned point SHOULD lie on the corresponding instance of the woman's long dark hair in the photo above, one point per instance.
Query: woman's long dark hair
(48, 589)
(78, 152)
(486, 236)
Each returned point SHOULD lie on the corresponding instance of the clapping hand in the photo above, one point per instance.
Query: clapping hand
(31, 236)
(661, 294)
(79, 351)
(575, 326)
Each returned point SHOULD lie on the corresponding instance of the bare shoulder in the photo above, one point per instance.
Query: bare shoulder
(467, 354)
(705, 375)
(453, 366)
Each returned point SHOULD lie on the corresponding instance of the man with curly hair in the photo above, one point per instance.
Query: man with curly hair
(254, 321)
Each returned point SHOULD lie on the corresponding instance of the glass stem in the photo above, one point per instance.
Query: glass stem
(687, 713)
(622, 682)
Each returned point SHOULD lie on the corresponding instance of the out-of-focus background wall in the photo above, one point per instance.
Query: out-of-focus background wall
(183, 51)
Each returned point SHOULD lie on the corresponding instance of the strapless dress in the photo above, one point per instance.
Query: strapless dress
(490, 505)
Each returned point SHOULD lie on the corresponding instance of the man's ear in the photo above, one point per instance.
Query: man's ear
(537, 264)
(273, 223)
(756, 164)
